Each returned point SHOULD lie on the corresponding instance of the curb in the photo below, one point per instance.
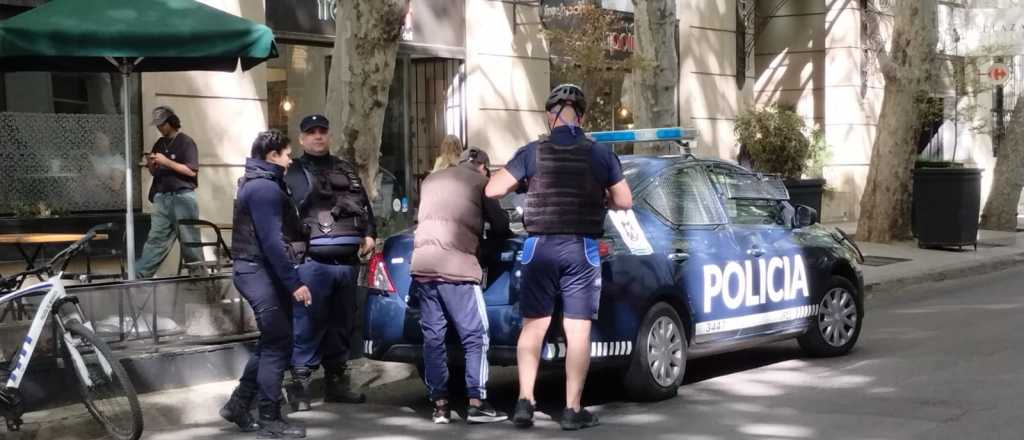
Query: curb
(976, 268)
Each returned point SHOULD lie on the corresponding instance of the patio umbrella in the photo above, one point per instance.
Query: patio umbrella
(118, 36)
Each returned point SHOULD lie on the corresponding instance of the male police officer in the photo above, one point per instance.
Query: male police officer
(571, 182)
(267, 242)
(447, 276)
(334, 205)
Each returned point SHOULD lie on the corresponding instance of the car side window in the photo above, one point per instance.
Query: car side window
(746, 211)
(684, 197)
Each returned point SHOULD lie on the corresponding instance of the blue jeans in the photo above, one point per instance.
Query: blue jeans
(323, 330)
(168, 208)
(272, 306)
(462, 305)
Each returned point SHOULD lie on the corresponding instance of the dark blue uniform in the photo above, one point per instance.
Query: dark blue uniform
(265, 273)
(563, 265)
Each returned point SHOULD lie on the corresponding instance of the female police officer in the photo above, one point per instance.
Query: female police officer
(267, 243)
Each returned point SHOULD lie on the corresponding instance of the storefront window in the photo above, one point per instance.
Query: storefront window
(62, 143)
(296, 86)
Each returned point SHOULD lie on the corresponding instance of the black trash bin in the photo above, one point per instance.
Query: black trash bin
(806, 192)
(947, 205)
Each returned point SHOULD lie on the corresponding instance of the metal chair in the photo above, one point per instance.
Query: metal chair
(221, 250)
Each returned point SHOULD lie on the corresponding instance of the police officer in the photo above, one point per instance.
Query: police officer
(570, 183)
(447, 276)
(334, 205)
(267, 242)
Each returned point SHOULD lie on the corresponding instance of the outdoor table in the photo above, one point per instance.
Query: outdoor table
(40, 240)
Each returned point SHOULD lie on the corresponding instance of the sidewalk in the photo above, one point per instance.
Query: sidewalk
(888, 268)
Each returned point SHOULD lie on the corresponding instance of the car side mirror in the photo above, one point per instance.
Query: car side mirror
(805, 216)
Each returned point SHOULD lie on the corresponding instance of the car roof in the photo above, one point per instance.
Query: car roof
(638, 169)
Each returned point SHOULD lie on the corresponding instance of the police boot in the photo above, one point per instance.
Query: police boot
(237, 410)
(274, 425)
(338, 384)
(298, 388)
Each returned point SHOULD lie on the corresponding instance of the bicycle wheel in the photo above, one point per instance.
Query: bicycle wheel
(103, 383)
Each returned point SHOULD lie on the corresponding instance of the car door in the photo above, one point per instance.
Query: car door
(777, 294)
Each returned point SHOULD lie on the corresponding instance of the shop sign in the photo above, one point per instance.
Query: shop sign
(991, 27)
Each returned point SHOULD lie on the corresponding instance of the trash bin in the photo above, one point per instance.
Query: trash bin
(947, 205)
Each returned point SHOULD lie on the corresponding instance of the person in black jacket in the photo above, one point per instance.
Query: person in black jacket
(268, 242)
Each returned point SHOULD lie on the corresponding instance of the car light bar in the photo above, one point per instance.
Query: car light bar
(646, 135)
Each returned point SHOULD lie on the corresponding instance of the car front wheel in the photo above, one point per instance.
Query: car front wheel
(659, 361)
(837, 325)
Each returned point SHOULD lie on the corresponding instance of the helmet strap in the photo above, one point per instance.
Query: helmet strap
(571, 124)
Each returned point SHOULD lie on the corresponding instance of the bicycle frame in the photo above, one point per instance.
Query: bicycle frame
(50, 306)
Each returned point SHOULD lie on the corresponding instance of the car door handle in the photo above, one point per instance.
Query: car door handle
(679, 256)
(755, 251)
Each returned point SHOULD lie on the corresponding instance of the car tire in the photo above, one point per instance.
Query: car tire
(836, 327)
(456, 379)
(659, 361)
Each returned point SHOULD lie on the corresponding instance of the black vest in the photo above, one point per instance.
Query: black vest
(334, 206)
(244, 245)
(563, 197)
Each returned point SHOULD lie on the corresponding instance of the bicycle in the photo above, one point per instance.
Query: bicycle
(106, 391)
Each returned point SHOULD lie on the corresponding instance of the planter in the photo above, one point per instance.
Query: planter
(946, 206)
(806, 192)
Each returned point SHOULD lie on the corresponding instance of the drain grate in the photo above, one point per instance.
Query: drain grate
(875, 261)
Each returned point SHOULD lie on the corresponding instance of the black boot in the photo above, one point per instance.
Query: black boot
(237, 410)
(337, 384)
(274, 425)
(298, 389)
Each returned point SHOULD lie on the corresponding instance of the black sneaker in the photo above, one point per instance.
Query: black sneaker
(573, 420)
(485, 413)
(523, 417)
(442, 414)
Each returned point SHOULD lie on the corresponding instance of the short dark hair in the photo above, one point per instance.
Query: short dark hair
(174, 121)
(267, 141)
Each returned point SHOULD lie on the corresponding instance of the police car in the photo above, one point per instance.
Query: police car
(712, 258)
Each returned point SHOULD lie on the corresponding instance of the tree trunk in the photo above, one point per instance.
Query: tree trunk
(886, 203)
(362, 68)
(885, 207)
(654, 88)
(1003, 201)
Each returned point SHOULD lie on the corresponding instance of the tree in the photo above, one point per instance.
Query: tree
(654, 88)
(581, 55)
(362, 68)
(1001, 209)
(905, 65)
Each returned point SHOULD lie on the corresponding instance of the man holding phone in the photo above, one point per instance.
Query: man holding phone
(174, 164)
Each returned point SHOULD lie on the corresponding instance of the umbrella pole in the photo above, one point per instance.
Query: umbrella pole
(129, 215)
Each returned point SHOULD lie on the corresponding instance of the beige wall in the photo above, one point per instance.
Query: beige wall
(709, 98)
(222, 112)
(507, 76)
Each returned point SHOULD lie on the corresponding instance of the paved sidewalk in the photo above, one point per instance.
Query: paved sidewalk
(889, 268)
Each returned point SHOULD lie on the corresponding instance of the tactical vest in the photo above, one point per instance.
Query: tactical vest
(333, 209)
(244, 244)
(563, 197)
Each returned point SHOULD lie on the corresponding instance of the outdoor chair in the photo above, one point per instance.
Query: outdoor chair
(221, 251)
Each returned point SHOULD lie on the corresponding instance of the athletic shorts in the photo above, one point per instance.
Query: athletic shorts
(560, 266)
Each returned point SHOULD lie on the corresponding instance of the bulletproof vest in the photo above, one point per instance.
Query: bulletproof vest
(563, 197)
(244, 245)
(334, 206)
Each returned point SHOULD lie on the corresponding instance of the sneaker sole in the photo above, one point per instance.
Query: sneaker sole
(441, 421)
(486, 419)
(521, 423)
(579, 427)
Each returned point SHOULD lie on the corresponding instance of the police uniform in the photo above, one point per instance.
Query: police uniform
(334, 206)
(267, 241)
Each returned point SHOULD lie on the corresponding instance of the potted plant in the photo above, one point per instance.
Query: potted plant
(778, 141)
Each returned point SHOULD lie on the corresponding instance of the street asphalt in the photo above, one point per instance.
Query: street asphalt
(935, 361)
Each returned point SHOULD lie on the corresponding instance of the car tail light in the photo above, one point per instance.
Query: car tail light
(604, 249)
(377, 274)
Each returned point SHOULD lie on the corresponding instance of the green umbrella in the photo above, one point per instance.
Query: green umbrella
(127, 36)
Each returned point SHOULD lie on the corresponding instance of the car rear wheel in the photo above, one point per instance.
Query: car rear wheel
(659, 361)
(837, 326)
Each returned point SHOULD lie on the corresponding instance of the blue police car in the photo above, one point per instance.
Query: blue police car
(712, 258)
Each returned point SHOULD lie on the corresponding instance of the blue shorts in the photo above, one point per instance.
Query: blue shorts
(560, 266)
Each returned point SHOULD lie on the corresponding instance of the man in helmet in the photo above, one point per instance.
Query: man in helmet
(570, 183)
